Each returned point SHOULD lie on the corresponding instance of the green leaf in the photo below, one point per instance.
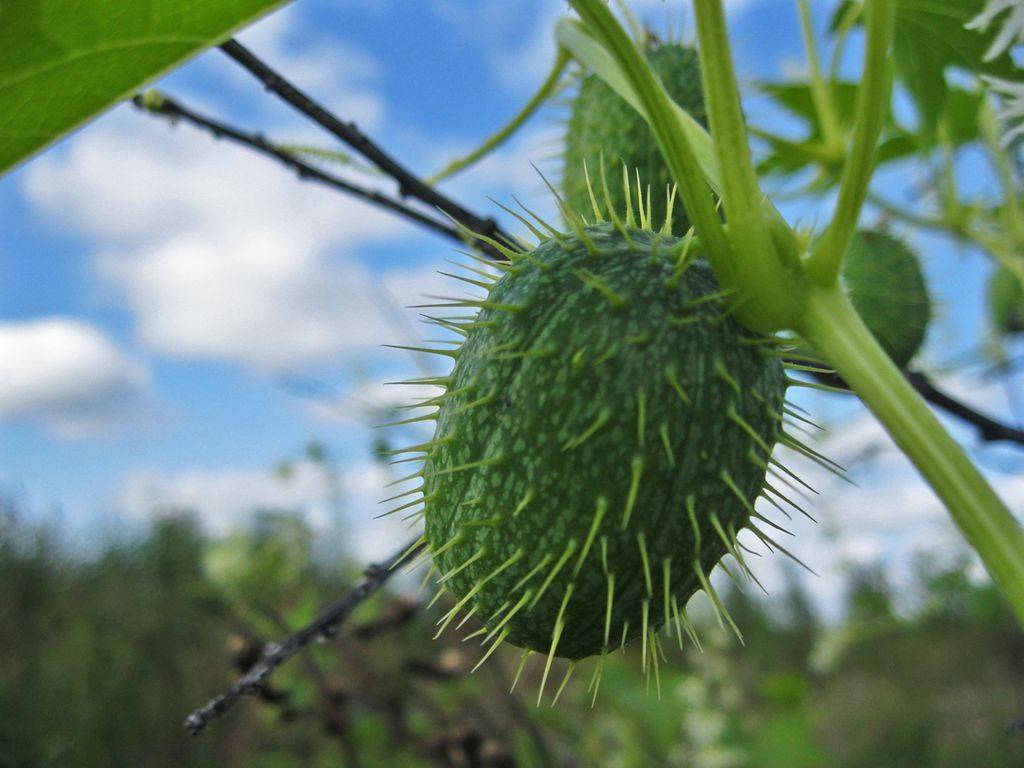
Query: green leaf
(962, 116)
(789, 156)
(65, 61)
(930, 39)
(797, 99)
(786, 157)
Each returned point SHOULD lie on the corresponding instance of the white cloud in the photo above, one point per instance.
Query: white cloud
(225, 500)
(219, 253)
(258, 298)
(68, 375)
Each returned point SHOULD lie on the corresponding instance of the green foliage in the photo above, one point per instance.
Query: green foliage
(931, 39)
(62, 63)
(1006, 302)
(103, 656)
(571, 524)
(811, 149)
(787, 156)
(97, 652)
(604, 128)
(884, 280)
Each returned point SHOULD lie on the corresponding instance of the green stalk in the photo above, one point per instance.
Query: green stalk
(659, 109)
(842, 35)
(834, 328)
(741, 196)
(766, 298)
(546, 90)
(821, 92)
(872, 107)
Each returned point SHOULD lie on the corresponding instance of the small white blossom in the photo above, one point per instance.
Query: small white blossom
(1013, 25)
(1011, 114)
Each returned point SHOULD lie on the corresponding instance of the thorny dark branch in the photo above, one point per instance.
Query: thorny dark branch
(174, 111)
(409, 185)
(326, 626)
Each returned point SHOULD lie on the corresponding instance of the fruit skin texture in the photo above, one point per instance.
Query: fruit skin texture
(885, 283)
(593, 383)
(604, 124)
(1006, 302)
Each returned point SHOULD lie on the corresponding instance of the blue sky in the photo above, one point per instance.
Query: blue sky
(155, 285)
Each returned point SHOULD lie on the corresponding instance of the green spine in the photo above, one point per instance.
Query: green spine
(603, 124)
(601, 404)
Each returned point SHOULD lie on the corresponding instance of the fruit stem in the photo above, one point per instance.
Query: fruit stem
(872, 107)
(821, 91)
(742, 198)
(547, 89)
(833, 326)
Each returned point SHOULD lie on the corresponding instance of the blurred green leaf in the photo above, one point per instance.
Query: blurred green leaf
(788, 741)
(64, 62)
(795, 97)
(930, 39)
(959, 115)
(789, 156)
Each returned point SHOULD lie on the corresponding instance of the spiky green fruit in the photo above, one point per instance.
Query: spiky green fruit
(604, 126)
(1006, 302)
(884, 280)
(604, 436)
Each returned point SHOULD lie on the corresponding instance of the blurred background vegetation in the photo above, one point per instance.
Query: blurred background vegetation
(103, 655)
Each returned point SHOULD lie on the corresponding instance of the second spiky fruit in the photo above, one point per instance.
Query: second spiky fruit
(1006, 302)
(604, 128)
(604, 436)
(884, 280)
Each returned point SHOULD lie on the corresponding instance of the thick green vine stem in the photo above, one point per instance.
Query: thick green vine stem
(741, 196)
(835, 329)
(872, 105)
(762, 271)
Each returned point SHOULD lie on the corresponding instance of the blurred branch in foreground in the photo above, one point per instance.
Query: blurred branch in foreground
(325, 626)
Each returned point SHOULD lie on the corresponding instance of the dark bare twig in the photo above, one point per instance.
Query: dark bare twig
(409, 185)
(174, 110)
(326, 625)
(988, 429)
